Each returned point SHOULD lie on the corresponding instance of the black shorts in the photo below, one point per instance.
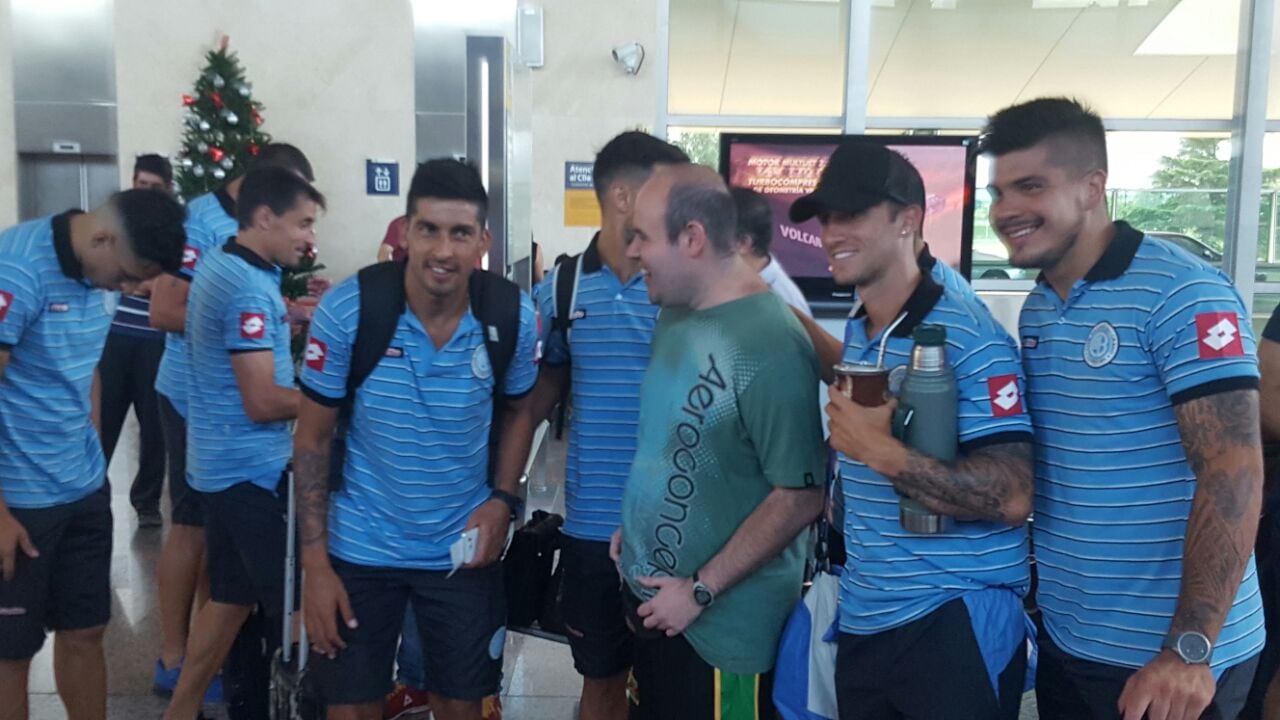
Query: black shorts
(930, 668)
(591, 601)
(670, 681)
(187, 507)
(245, 540)
(462, 621)
(1068, 687)
(68, 587)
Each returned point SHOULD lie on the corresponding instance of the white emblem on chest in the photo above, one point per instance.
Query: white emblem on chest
(480, 363)
(1102, 345)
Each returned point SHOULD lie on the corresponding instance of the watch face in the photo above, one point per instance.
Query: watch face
(1193, 647)
(702, 596)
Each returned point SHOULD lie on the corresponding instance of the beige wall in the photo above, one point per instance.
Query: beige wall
(337, 81)
(8, 151)
(582, 98)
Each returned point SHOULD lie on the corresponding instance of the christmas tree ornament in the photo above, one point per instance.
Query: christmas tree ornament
(198, 171)
(243, 89)
(185, 162)
(191, 118)
(202, 146)
(219, 173)
(253, 149)
(188, 101)
(232, 118)
(219, 82)
(205, 126)
(228, 163)
(257, 119)
(217, 154)
(216, 97)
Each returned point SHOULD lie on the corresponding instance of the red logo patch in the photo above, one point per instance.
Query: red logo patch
(190, 256)
(6, 302)
(253, 326)
(1005, 396)
(1218, 335)
(317, 351)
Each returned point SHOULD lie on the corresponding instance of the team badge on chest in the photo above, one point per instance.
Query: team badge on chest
(1102, 345)
(480, 366)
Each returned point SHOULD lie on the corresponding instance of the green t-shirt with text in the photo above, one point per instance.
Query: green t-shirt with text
(728, 412)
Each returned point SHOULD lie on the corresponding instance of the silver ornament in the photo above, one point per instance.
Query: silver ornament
(228, 163)
(198, 171)
(191, 118)
(218, 82)
(243, 90)
(203, 147)
(219, 173)
(204, 125)
(186, 162)
(232, 118)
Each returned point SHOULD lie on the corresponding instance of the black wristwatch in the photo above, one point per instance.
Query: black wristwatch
(513, 502)
(701, 593)
(1193, 647)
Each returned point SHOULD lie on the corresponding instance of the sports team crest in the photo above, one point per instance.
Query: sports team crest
(1102, 346)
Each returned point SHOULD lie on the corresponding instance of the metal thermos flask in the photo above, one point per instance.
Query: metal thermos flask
(927, 412)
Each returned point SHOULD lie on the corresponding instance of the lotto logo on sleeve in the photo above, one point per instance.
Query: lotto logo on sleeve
(1219, 335)
(190, 256)
(317, 351)
(1006, 398)
(253, 326)
(6, 302)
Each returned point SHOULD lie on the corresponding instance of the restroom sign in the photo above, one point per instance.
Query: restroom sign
(381, 177)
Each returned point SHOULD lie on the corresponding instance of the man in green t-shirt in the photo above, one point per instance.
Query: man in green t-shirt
(728, 468)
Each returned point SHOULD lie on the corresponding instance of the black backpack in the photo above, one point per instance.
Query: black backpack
(566, 289)
(495, 302)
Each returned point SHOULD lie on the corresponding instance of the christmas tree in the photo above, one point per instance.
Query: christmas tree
(222, 123)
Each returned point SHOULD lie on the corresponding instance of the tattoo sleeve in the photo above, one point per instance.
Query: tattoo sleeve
(1222, 439)
(992, 483)
(311, 492)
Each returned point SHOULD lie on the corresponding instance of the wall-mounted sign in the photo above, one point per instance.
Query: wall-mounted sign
(581, 209)
(381, 177)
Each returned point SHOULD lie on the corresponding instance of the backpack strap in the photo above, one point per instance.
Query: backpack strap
(495, 303)
(382, 301)
(567, 273)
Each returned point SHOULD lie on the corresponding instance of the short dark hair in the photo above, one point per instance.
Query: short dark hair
(632, 154)
(448, 179)
(277, 188)
(1075, 130)
(755, 219)
(153, 221)
(708, 204)
(157, 165)
(282, 155)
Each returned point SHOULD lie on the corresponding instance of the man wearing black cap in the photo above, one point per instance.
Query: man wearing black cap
(931, 626)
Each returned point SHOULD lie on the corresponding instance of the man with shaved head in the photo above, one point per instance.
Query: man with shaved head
(728, 466)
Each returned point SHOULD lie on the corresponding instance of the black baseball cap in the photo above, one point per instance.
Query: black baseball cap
(860, 175)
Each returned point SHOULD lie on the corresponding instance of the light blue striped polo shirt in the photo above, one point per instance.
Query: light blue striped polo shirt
(1149, 326)
(945, 275)
(210, 224)
(234, 307)
(609, 351)
(418, 446)
(133, 318)
(54, 325)
(892, 576)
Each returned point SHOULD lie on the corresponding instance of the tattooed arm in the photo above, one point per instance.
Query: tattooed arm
(1220, 434)
(991, 483)
(324, 596)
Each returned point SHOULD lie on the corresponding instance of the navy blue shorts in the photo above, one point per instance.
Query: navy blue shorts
(245, 536)
(591, 601)
(188, 509)
(462, 621)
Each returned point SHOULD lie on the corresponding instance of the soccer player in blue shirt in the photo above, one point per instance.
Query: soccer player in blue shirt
(242, 397)
(600, 357)
(1142, 384)
(58, 281)
(211, 221)
(931, 626)
(416, 471)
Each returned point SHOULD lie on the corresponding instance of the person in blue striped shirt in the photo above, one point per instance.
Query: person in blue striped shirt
(1142, 382)
(416, 470)
(599, 355)
(241, 399)
(211, 221)
(931, 626)
(58, 281)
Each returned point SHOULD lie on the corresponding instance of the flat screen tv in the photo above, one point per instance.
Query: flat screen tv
(785, 167)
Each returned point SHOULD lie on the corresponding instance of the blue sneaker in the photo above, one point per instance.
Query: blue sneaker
(213, 696)
(165, 681)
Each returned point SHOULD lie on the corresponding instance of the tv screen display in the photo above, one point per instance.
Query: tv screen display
(785, 167)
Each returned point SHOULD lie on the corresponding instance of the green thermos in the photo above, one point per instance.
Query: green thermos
(927, 418)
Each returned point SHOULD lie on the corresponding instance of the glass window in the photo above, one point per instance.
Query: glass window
(1126, 58)
(757, 57)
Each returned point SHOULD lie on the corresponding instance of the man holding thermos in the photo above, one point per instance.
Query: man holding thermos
(931, 619)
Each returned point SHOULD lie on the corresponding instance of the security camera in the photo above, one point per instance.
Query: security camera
(630, 57)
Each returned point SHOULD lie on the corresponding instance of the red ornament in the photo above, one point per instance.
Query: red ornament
(188, 101)
(217, 154)
(253, 149)
(217, 99)
(257, 119)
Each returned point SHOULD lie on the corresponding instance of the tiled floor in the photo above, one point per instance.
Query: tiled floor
(539, 682)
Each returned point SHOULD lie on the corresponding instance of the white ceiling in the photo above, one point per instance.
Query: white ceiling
(787, 57)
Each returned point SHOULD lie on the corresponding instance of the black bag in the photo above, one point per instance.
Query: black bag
(566, 286)
(495, 302)
(528, 569)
